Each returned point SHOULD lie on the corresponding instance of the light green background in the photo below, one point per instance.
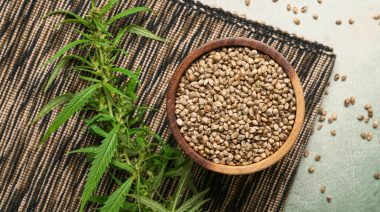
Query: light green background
(348, 162)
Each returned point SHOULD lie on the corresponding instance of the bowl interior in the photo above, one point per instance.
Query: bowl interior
(235, 42)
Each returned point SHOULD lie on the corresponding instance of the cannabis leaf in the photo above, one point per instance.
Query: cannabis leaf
(76, 103)
(127, 13)
(65, 49)
(139, 30)
(155, 206)
(57, 101)
(103, 157)
(116, 200)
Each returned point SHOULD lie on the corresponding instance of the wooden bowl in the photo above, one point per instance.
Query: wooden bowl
(236, 42)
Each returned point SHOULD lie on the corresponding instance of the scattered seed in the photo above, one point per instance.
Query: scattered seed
(247, 2)
(326, 92)
(343, 78)
(288, 7)
(375, 124)
(320, 126)
(323, 189)
(306, 153)
(352, 100)
(376, 176)
(376, 17)
(334, 116)
(333, 132)
(367, 106)
(317, 157)
(338, 22)
(363, 135)
(351, 21)
(360, 117)
(304, 9)
(336, 77)
(322, 118)
(319, 1)
(295, 10)
(296, 21)
(347, 102)
(275, 1)
(311, 170)
(366, 119)
(315, 16)
(369, 136)
(330, 120)
(328, 198)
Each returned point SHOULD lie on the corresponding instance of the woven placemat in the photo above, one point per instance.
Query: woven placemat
(45, 179)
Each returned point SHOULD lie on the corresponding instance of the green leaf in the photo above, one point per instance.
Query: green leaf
(131, 85)
(76, 103)
(57, 101)
(74, 21)
(69, 13)
(139, 30)
(181, 184)
(109, 6)
(114, 90)
(65, 49)
(91, 149)
(90, 79)
(155, 206)
(97, 130)
(103, 157)
(126, 72)
(98, 199)
(192, 202)
(127, 13)
(123, 166)
(116, 200)
(60, 65)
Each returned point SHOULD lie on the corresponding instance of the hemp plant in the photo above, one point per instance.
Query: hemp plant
(142, 159)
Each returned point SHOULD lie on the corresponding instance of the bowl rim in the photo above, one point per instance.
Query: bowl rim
(235, 42)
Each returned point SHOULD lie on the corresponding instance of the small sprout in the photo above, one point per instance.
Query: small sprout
(333, 132)
(311, 170)
(317, 157)
(323, 189)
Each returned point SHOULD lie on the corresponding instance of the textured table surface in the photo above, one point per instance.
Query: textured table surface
(348, 162)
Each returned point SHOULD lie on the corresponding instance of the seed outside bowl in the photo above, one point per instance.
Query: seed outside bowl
(235, 42)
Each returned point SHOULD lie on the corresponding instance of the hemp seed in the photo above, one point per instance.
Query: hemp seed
(288, 7)
(295, 10)
(315, 17)
(375, 124)
(352, 100)
(360, 117)
(376, 176)
(329, 198)
(317, 157)
(336, 77)
(333, 132)
(323, 189)
(247, 2)
(343, 78)
(338, 22)
(296, 21)
(304, 9)
(311, 170)
(351, 21)
(306, 153)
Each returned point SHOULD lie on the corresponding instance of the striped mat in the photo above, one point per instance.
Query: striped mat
(34, 178)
